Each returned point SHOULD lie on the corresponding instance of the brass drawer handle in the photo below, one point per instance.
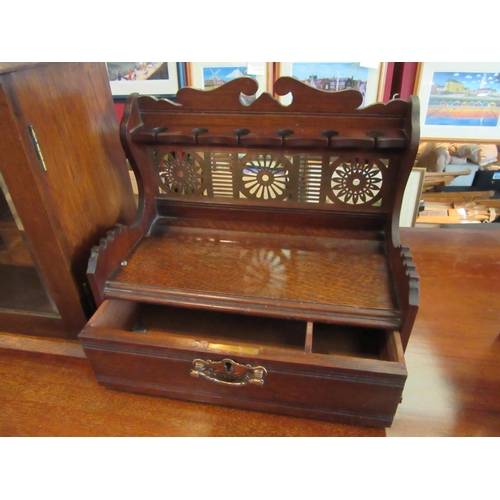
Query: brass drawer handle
(228, 372)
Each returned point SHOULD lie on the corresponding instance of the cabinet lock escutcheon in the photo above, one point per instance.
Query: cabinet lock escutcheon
(228, 372)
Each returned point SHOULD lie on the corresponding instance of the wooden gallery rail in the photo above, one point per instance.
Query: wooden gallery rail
(264, 269)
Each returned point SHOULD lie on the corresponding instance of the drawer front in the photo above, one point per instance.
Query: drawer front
(332, 387)
(361, 400)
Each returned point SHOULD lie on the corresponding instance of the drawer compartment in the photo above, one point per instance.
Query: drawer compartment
(333, 372)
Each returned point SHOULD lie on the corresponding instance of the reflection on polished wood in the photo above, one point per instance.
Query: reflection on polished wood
(453, 361)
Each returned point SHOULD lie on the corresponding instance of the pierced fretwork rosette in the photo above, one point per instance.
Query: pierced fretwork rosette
(265, 177)
(181, 173)
(356, 181)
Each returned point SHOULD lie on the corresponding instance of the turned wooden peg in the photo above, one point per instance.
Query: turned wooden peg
(329, 134)
(197, 132)
(156, 131)
(284, 133)
(239, 132)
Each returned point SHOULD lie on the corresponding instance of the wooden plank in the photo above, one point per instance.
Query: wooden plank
(52, 346)
(457, 195)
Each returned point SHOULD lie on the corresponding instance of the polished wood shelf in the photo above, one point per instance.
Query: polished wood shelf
(298, 276)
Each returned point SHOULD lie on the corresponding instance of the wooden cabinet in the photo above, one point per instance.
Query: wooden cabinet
(64, 183)
(265, 270)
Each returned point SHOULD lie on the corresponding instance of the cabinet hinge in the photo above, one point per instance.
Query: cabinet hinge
(37, 147)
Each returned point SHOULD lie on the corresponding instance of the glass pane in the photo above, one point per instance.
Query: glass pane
(21, 285)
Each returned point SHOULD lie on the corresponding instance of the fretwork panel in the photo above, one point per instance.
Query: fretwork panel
(267, 176)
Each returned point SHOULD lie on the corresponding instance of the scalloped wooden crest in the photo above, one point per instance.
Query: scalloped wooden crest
(310, 99)
(225, 97)
(305, 99)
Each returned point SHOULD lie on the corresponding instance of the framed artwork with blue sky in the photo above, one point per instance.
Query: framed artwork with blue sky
(210, 75)
(459, 101)
(368, 78)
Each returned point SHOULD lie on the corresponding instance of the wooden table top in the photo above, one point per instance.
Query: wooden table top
(453, 361)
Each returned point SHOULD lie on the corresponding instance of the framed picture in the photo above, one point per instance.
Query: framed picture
(411, 198)
(210, 75)
(459, 101)
(160, 79)
(368, 78)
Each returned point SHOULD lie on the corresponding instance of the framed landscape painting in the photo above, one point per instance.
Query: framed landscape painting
(160, 79)
(368, 78)
(210, 75)
(459, 101)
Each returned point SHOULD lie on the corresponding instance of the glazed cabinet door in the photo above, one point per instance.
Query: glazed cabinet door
(23, 290)
(35, 244)
(64, 183)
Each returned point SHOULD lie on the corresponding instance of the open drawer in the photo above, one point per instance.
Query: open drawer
(333, 372)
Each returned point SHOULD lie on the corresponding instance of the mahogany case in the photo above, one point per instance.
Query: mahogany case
(264, 269)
